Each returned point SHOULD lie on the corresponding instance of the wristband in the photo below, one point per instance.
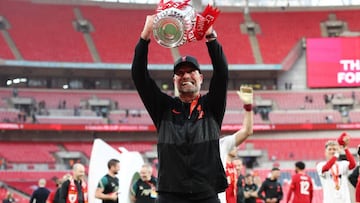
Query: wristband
(211, 36)
(248, 107)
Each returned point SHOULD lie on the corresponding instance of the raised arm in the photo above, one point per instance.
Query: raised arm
(246, 96)
(151, 95)
(218, 83)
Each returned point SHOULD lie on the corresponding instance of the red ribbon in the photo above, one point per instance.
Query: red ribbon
(204, 21)
(170, 4)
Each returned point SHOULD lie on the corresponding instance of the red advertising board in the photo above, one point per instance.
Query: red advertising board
(333, 62)
(151, 128)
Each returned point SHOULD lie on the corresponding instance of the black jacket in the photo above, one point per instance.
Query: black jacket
(188, 143)
(272, 189)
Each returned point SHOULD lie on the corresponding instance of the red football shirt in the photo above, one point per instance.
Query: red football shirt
(231, 190)
(302, 187)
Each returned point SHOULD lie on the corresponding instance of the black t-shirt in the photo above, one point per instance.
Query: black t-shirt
(354, 176)
(240, 189)
(250, 188)
(144, 191)
(110, 185)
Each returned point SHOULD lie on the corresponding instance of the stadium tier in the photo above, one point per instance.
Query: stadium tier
(116, 107)
(35, 27)
(60, 124)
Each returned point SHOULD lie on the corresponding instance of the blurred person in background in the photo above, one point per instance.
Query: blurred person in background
(54, 196)
(41, 194)
(74, 190)
(144, 189)
(301, 185)
(333, 173)
(250, 189)
(229, 144)
(9, 198)
(108, 187)
(271, 188)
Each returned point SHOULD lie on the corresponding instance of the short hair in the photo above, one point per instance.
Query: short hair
(331, 143)
(248, 175)
(300, 165)
(275, 169)
(112, 162)
(42, 182)
(147, 167)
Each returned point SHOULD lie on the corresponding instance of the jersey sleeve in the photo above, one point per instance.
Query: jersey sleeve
(103, 181)
(226, 144)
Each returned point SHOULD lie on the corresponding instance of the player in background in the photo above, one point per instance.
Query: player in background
(301, 185)
(228, 146)
(333, 172)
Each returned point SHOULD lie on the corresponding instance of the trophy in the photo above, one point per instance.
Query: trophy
(176, 23)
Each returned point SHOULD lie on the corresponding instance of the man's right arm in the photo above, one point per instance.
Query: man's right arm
(149, 92)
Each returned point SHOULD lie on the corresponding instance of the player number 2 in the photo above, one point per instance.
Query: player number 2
(304, 187)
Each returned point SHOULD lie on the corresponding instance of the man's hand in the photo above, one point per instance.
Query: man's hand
(246, 94)
(344, 139)
(114, 196)
(148, 27)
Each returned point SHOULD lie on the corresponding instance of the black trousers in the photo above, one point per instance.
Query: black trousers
(175, 198)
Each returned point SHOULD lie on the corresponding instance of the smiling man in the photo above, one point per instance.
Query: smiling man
(188, 126)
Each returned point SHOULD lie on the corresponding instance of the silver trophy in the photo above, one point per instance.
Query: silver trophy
(173, 25)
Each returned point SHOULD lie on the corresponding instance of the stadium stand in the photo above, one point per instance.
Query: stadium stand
(33, 33)
(46, 33)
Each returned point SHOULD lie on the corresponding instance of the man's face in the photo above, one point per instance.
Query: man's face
(238, 166)
(79, 172)
(145, 174)
(188, 80)
(330, 151)
(115, 169)
(249, 180)
(276, 174)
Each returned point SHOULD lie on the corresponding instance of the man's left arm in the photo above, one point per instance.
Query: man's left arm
(219, 80)
(344, 140)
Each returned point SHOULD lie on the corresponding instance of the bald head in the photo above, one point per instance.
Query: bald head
(78, 171)
(42, 182)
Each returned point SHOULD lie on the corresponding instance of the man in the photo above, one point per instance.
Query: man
(144, 189)
(240, 182)
(271, 188)
(54, 196)
(333, 173)
(228, 146)
(74, 190)
(250, 189)
(188, 126)
(108, 187)
(41, 193)
(301, 185)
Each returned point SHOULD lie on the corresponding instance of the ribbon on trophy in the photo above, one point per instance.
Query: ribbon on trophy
(171, 4)
(177, 23)
(203, 22)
